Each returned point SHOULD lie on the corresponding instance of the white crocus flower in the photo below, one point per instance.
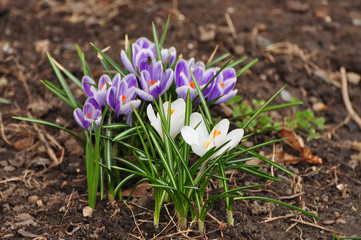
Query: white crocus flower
(197, 136)
(177, 109)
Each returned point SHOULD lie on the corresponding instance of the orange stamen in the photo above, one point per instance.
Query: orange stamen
(89, 115)
(192, 84)
(171, 111)
(215, 134)
(222, 84)
(102, 86)
(123, 98)
(152, 82)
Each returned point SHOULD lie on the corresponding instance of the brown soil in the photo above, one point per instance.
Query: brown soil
(318, 37)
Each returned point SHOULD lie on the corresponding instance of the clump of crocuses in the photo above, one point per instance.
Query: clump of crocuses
(150, 77)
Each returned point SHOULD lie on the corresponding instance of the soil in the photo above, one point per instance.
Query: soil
(299, 43)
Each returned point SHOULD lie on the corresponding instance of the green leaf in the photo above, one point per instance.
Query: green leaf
(277, 202)
(48, 124)
(217, 60)
(84, 64)
(63, 83)
(263, 107)
(109, 60)
(5, 101)
(157, 44)
(162, 38)
(245, 68)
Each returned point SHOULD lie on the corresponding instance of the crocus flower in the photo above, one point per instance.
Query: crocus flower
(92, 112)
(197, 136)
(153, 81)
(169, 56)
(99, 93)
(184, 81)
(192, 64)
(121, 95)
(223, 86)
(177, 109)
(143, 50)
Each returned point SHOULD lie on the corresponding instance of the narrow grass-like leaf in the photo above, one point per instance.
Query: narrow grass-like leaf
(48, 124)
(276, 107)
(59, 93)
(106, 67)
(206, 110)
(217, 60)
(109, 60)
(74, 79)
(62, 81)
(124, 180)
(245, 68)
(162, 38)
(237, 62)
(263, 107)
(113, 126)
(126, 133)
(84, 64)
(277, 202)
(156, 43)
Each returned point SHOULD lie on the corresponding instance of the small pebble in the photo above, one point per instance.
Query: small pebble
(33, 198)
(39, 203)
(337, 214)
(286, 96)
(87, 211)
(318, 107)
(356, 22)
(9, 169)
(62, 209)
(239, 49)
(296, 6)
(341, 221)
(3, 163)
(320, 14)
(353, 78)
(352, 127)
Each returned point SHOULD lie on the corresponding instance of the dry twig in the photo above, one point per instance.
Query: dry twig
(346, 98)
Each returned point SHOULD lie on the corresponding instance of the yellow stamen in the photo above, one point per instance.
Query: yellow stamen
(215, 134)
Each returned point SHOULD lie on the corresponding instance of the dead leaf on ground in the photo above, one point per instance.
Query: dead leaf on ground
(296, 142)
(142, 190)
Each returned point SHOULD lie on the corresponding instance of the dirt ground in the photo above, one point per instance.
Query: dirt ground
(299, 43)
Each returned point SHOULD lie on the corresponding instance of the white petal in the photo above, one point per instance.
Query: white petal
(199, 150)
(197, 123)
(190, 136)
(154, 121)
(234, 137)
(218, 134)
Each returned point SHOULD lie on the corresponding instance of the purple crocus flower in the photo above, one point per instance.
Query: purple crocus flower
(143, 50)
(121, 95)
(92, 112)
(192, 64)
(99, 93)
(223, 86)
(169, 56)
(184, 81)
(153, 81)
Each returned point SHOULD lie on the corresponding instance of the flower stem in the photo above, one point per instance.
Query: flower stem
(230, 219)
(201, 225)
